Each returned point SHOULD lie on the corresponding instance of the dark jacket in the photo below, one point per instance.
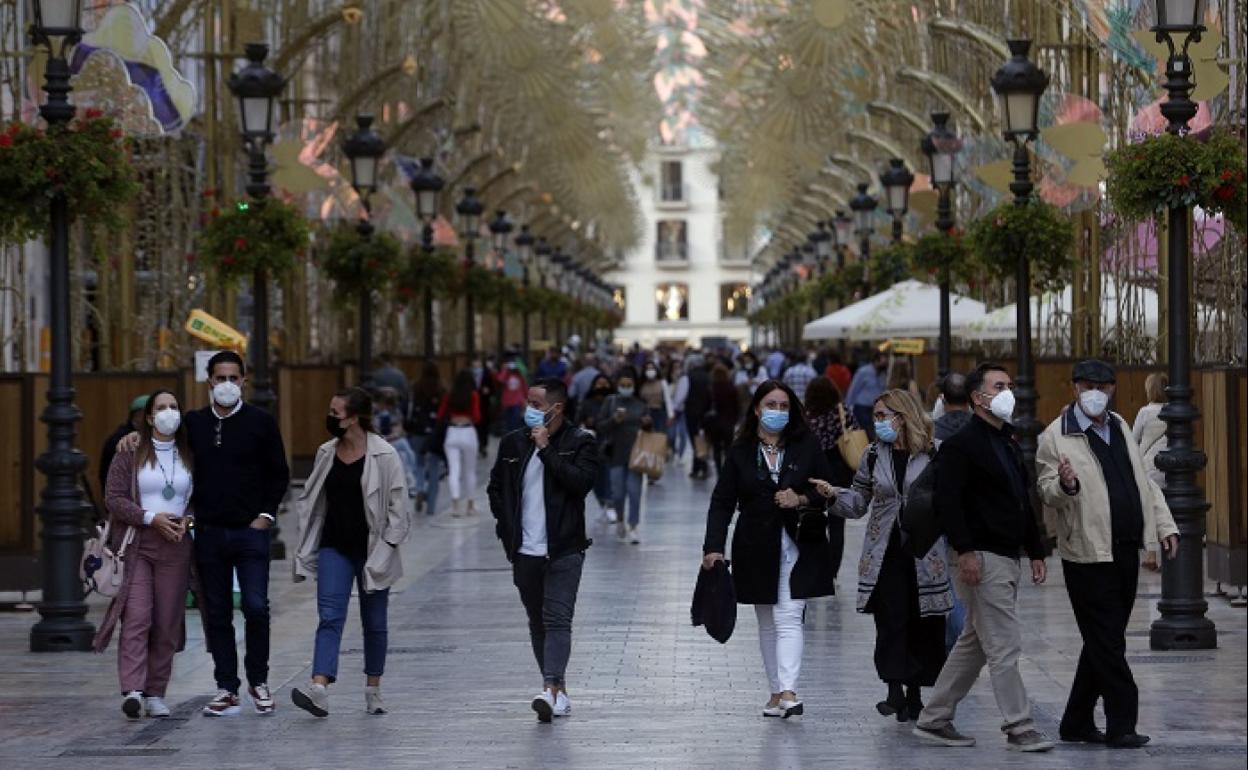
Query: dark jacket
(246, 475)
(980, 504)
(571, 463)
(952, 422)
(746, 485)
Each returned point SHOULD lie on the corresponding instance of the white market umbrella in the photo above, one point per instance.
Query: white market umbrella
(1001, 324)
(907, 309)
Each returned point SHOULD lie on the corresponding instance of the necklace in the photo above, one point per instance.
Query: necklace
(168, 492)
(769, 449)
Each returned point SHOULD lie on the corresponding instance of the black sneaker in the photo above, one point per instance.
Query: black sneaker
(1128, 741)
(1091, 736)
(945, 735)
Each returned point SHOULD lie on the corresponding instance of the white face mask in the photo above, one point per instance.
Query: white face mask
(1093, 402)
(167, 421)
(226, 394)
(1002, 405)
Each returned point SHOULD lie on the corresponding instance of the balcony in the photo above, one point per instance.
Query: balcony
(672, 196)
(732, 258)
(671, 254)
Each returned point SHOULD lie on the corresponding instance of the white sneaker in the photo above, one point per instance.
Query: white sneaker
(633, 537)
(790, 708)
(132, 705)
(155, 707)
(225, 704)
(772, 711)
(262, 699)
(544, 705)
(563, 705)
(313, 699)
(608, 513)
(373, 704)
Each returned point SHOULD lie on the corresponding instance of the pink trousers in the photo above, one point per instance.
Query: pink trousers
(152, 622)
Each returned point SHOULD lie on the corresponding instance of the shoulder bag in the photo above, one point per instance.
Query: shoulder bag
(103, 570)
(851, 443)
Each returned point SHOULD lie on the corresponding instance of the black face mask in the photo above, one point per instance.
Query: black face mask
(600, 392)
(334, 426)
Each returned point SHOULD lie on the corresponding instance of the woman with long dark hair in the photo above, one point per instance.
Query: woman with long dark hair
(907, 597)
(623, 415)
(829, 418)
(352, 519)
(587, 417)
(779, 547)
(422, 417)
(462, 409)
(148, 500)
(721, 421)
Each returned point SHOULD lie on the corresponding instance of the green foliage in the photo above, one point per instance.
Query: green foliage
(267, 235)
(936, 251)
(890, 265)
(1040, 231)
(433, 270)
(88, 161)
(356, 264)
(1148, 177)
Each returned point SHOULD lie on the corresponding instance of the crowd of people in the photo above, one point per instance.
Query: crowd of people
(797, 442)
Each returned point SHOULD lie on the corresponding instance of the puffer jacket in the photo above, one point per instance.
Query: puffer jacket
(1082, 521)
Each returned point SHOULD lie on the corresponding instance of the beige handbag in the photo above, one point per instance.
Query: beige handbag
(649, 454)
(851, 443)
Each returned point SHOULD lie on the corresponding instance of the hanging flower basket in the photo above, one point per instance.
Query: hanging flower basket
(267, 235)
(487, 287)
(846, 282)
(423, 270)
(936, 251)
(88, 161)
(356, 264)
(1040, 231)
(890, 265)
(1164, 171)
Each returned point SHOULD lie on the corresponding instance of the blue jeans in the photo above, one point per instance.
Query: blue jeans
(428, 472)
(410, 464)
(626, 483)
(678, 436)
(954, 622)
(219, 552)
(602, 486)
(335, 573)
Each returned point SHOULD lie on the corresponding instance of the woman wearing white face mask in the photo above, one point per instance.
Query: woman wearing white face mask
(622, 416)
(148, 499)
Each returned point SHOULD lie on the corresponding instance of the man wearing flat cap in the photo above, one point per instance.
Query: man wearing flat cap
(1105, 509)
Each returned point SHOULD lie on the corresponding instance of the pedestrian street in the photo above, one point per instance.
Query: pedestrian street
(649, 690)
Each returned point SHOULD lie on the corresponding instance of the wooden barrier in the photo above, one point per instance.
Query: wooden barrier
(1225, 395)
(304, 393)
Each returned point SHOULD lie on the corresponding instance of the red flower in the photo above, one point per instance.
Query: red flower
(216, 212)
(6, 140)
(92, 113)
(240, 244)
(209, 192)
(370, 264)
(14, 129)
(1183, 181)
(1224, 193)
(1226, 175)
(116, 133)
(51, 173)
(190, 258)
(228, 259)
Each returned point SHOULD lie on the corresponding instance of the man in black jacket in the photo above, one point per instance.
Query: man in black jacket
(983, 501)
(537, 494)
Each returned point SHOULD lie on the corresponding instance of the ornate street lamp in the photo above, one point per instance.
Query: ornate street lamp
(426, 185)
(1018, 85)
(843, 230)
(500, 228)
(469, 210)
(63, 624)
(863, 206)
(364, 150)
(940, 146)
(524, 249)
(1182, 625)
(256, 87)
(559, 263)
(896, 180)
(541, 256)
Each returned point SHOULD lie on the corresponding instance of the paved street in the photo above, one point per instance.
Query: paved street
(648, 689)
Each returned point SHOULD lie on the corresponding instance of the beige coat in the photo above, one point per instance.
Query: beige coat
(1082, 521)
(385, 506)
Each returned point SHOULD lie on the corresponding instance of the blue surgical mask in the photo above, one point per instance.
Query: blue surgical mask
(534, 417)
(774, 420)
(885, 431)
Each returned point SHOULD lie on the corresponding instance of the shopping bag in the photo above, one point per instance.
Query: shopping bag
(851, 443)
(649, 454)
(701, 447)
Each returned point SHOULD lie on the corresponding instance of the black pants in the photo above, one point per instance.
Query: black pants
(909, 648)
(836, 542)
(219, 553)
(548, 591)
(1102, 596)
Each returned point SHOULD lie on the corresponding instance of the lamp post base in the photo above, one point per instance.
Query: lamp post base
(1195, 633)
(61, 634)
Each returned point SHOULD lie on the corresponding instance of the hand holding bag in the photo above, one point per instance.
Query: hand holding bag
(649, 454)
(851, 443)
(103, 570)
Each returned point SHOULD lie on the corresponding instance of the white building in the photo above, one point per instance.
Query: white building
(679, 285)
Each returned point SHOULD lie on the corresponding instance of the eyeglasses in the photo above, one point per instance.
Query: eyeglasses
(882, 416)
(216, 439)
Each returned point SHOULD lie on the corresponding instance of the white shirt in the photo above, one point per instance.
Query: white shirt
(167, 471)
(533, 509)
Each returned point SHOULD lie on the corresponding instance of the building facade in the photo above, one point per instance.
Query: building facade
(679, 286)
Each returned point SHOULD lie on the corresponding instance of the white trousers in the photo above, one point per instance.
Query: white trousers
(461, 460)
(780, 633)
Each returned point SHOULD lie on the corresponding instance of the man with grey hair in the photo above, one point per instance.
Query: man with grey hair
(957, 406)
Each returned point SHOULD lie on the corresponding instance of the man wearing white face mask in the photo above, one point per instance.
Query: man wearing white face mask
(984, 506)
(1092, 478)
(241, 477)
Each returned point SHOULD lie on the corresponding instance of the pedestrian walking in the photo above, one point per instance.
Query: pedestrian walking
(870, 380)
(677, 429)
(241, 475)
(513, 390)
(651, 390)
(799, 375)
(389, 426)
(1149, 430)
(907, 598)
(461, 408)
(148, 498)
(955, 406)
(587, 417)
(694, 392)
(720, 423)
(353, 517)
(779, 547)
(622, 417)
(537, 493)
(829, 419)
(422, 419)
(984, 506)
(1092, 475)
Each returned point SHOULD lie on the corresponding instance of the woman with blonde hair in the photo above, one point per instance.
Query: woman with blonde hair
(908, 598)
(1148, 429)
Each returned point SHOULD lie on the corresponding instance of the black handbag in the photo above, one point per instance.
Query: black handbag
(436, 443)
(919, 525)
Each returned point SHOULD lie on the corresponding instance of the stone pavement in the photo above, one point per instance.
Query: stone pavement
(648, 689)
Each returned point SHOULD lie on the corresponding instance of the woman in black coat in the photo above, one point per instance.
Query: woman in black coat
(779, 548)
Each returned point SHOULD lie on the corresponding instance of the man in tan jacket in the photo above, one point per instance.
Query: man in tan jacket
(1105, 508)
